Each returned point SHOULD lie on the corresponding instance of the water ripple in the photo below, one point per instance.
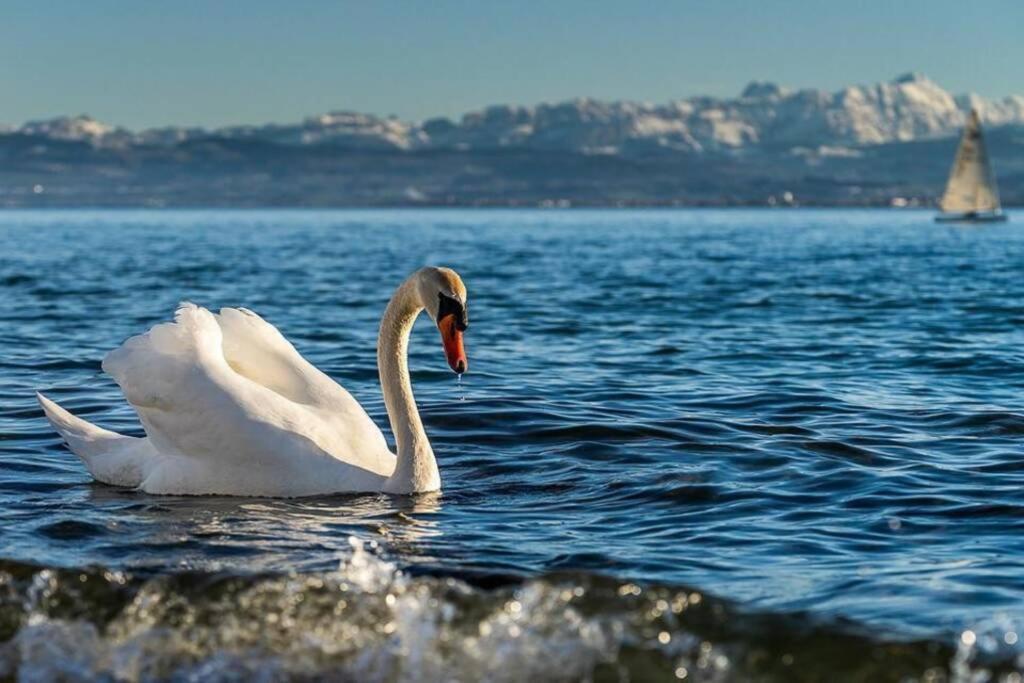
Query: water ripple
(814, 412)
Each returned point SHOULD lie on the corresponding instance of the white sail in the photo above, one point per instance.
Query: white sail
(972, 185)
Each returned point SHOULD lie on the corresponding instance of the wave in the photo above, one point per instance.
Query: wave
(371, 621)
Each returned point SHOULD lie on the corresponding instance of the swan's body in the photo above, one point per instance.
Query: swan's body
(230, 407)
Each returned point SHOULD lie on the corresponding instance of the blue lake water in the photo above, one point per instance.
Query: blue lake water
(702, 445)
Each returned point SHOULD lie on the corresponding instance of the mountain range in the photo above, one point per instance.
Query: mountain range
(876, 144)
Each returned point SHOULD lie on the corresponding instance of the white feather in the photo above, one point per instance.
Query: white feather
(229, 407)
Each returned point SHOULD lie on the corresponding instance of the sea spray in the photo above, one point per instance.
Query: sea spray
(370, 621)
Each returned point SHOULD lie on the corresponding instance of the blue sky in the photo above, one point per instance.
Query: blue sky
(252, 61)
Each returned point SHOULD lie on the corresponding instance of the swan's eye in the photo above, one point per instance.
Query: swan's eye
(451, 306)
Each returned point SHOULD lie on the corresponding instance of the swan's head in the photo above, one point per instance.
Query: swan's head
(444, 296)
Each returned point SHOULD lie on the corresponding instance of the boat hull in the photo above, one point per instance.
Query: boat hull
(972, 217)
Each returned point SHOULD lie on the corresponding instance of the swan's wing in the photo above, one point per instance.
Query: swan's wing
(256, 350)
(216, 430)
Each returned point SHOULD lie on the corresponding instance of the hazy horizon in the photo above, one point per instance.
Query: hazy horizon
(210, 65)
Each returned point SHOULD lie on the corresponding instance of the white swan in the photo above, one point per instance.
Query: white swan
(230, 407)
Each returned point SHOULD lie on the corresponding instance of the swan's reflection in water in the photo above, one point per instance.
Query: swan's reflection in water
(252, 534)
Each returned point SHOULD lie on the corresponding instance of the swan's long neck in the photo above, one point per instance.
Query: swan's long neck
(416, 469)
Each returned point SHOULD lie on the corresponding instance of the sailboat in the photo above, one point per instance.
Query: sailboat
(971, 192)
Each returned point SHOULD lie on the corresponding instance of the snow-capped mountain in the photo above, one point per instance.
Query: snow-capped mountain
(764, 116)
(341, 128)
(82, 127)
(866, 145)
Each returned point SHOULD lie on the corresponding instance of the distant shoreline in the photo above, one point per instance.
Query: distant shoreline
(489, 207)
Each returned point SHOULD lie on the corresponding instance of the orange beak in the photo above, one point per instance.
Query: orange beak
(451, 337)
